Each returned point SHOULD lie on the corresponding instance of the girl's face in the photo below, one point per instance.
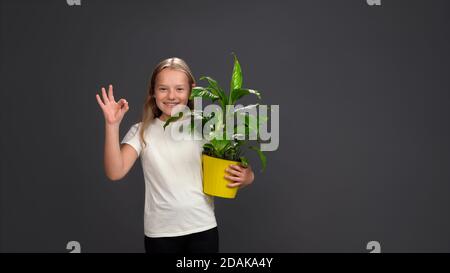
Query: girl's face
(171, 89)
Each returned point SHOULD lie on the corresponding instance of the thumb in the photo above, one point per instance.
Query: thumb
(124, 106)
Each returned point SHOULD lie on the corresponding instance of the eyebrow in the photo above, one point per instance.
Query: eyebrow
(159, 85)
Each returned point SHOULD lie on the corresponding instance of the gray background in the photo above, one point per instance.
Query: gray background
(364, 128)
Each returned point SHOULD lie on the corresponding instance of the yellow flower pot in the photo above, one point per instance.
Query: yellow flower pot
(214, 182)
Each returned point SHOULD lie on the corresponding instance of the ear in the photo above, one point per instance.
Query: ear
(193, 85)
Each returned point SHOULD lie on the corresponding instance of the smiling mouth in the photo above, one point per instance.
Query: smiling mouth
(171, 103)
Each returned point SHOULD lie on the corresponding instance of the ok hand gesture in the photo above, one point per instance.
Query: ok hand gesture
(112, 110)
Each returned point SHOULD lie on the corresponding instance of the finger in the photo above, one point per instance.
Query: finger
(110, 93)
(123, 103)
(234, 185)
(233, 178)
(99, 100)
(105, 97)
(123, 106)
(126, 107)
(233, 172)
(237, 167)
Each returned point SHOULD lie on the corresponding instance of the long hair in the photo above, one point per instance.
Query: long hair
(151, 110)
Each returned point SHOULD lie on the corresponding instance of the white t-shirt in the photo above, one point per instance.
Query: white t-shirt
(175, 204)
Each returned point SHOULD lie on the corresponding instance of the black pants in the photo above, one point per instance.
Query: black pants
(201, 242)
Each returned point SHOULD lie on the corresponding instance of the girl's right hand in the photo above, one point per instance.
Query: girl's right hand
(112, 110)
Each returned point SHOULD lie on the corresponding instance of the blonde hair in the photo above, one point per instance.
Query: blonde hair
(151, 110)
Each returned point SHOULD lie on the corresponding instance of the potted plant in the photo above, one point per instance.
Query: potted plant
(222, 150)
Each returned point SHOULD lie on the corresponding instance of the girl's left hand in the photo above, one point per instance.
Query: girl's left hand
(240, 176)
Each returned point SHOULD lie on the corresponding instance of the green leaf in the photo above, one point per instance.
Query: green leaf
(219, 144)
(216, 90)
(236, 77)
(208, 146)
(202, 92)
(244, 161)
(172, 119)
(226, 149)
(239, 93)
(261, 155)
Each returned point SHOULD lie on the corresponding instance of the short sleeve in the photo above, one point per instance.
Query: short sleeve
(132, 138)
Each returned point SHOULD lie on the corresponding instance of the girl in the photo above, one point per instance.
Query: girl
(178, 216)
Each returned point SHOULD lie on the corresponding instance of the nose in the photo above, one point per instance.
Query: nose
(171, 95)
